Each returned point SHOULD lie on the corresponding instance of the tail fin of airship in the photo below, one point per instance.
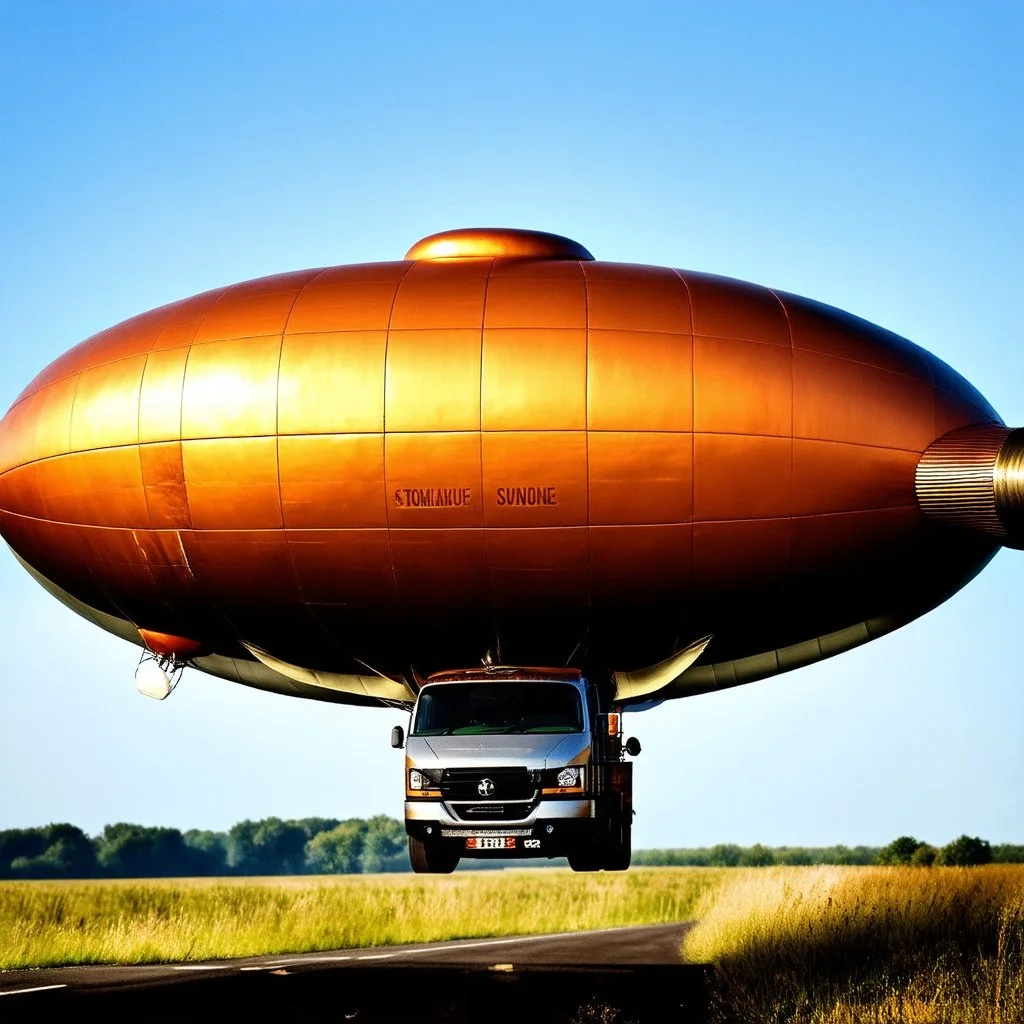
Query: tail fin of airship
(382, 688)
(636, 687)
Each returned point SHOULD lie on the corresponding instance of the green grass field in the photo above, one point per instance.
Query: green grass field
(50, 923)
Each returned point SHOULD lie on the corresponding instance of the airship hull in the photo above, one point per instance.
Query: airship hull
(411, 463)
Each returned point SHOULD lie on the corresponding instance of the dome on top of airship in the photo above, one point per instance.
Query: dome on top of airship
(490, 243)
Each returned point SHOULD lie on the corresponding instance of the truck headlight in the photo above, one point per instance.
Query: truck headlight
(561, 780)
(423, 782)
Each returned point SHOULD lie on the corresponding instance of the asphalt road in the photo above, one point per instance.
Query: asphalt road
(632, 974)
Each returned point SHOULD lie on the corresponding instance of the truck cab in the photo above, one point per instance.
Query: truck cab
(516, 763)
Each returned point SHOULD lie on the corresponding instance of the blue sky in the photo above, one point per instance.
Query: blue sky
(867, 155)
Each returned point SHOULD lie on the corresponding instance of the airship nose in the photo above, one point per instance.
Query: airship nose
(973, 478)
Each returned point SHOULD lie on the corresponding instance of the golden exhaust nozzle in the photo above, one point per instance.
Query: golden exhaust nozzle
(973, 478)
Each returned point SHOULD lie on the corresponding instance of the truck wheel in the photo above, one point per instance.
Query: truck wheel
(431, 858)
(620, 851)
(584, 860)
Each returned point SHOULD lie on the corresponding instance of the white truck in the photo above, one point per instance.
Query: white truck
(514, 762)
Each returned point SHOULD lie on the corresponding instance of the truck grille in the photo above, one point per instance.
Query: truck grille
(495, 794)
(460, 833)
(493, 812)
(470, 784)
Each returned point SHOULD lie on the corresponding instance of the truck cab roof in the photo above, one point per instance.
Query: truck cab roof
(506, 673)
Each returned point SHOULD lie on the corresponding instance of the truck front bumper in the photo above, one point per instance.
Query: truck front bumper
(552, 830)
(437, 812)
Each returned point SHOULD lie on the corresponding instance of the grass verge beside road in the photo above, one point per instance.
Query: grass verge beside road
(45, 924)
(805, 945)
(835, 945)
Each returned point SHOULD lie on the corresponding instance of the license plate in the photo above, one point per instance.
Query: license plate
(491, 843)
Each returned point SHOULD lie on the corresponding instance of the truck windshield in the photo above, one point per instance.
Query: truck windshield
(454, 709)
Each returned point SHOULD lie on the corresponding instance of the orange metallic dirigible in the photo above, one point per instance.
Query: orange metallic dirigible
(332, 482)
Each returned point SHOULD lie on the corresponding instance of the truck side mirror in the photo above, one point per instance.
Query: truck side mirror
(632, 746)
(397, 737)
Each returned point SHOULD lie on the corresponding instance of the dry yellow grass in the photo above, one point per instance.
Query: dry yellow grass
(834, 945)
(50, 923)
(818, 945)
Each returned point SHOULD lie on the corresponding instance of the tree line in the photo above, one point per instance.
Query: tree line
(731, 855)
(271, 846)
(964, 851)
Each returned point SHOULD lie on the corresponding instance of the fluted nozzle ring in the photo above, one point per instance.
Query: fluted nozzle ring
(973, 478)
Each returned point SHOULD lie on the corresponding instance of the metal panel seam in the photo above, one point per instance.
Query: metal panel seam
(480, 441)
(693, 454)
(384, 435)
(277, 442)
(586, 439)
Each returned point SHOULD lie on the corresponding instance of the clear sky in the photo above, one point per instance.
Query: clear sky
(867, 155)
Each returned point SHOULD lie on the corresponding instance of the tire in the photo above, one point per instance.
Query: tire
(620, 850)
(431, 858)
(584, 860)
